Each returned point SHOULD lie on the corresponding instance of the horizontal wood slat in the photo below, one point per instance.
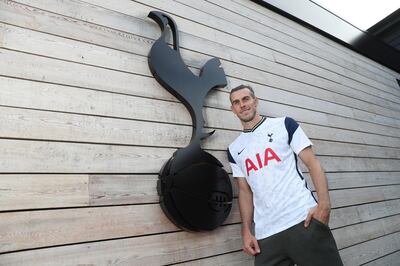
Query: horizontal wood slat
(222, 11)
(59, 227)
(351, 235)
(349, 197)
(238, 258)
(360, 213)
(104, 103)
(371, 250)
(337, 59)
(146, 250)
(390, 259)
(153, 29)
(23, 191)
(222, 28)
(32, 124)
(342, 55)
(44, 44)
(60, 157)
(358, 179)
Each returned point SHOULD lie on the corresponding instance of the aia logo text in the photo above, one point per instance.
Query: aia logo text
(261, 160)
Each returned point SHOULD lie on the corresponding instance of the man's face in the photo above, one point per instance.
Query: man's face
(244, 105)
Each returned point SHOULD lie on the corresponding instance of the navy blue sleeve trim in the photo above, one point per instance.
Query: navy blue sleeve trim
(291, 127)
(230, 158)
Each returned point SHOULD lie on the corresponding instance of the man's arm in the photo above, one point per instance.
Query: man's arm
(323, 209)
(250, 244)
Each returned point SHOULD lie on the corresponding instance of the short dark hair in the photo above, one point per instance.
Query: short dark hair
(241, 87)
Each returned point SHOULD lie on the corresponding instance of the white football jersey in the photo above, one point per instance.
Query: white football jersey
(267, 157)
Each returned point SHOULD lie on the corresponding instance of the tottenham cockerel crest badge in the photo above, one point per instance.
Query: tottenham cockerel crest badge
(195, 191)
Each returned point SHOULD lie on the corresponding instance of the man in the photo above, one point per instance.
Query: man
(291, 227)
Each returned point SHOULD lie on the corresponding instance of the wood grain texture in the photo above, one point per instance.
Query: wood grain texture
(238, 258)
(60, 227)
(342, 56)
(64, 157)
(107, 104)
(234, 30)
(391, 259)
(223, 12)
(45, 44)
(345, 216)
(42, 191)
(359, 179)
(43, 125)
(146, 250)
(370, 250)
(95, 14)
(351, 235)
(85, 129)
(66, 226)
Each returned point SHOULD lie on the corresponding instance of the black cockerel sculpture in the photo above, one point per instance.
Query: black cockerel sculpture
(195, 191)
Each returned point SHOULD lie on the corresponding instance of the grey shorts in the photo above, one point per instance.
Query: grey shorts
(312, 246)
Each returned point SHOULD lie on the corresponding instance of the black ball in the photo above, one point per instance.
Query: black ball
(196, 196)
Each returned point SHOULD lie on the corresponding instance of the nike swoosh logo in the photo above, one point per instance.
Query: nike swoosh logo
(241, 151)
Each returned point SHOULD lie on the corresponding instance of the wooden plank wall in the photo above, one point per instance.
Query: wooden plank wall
(85, 128)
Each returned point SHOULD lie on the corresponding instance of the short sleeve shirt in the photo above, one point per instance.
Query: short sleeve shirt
(266, 156)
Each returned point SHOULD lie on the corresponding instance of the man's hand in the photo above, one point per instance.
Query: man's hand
(320, 213)
(323, 209)
(250, 244)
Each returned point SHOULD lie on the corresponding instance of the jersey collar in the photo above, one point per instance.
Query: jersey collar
(263, 118)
